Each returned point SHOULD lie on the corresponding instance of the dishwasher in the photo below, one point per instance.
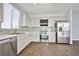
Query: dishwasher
(8, 47)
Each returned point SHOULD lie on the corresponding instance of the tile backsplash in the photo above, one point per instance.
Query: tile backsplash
(25, 29)
(11, 31)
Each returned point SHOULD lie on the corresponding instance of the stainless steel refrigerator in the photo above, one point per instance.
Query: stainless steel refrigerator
(63, 32)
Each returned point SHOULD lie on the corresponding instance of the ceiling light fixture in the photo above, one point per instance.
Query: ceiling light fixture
(34, 3)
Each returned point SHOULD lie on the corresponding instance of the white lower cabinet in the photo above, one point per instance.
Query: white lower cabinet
(52, 37)
(20, 45)
(23, 42)
(35, 36)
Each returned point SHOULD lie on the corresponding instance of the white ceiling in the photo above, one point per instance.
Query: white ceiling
(39, 8)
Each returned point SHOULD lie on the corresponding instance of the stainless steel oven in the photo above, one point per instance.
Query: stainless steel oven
(44, 30)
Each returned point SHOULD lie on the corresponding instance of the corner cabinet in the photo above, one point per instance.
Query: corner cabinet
(22, 41)
(1, 12)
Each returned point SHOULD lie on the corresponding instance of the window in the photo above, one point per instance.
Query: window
(11, 17)
(7, 16)
(15, 18)
(22, 21)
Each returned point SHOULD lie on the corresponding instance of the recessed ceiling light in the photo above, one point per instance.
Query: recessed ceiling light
(34, 3)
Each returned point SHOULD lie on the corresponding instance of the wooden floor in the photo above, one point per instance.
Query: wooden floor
(51, 49)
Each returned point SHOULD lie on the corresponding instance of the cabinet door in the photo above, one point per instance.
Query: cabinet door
(51, 22)
(52, 37)
(35, 37)
(1, 12)
(22, 42)
(27, 40)
(35, 22)
(20, 45)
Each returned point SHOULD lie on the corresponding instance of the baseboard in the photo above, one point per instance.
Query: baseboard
(75, 39)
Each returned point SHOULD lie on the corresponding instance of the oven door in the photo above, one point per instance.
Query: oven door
(43, 36)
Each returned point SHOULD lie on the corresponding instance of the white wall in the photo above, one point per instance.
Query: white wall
(75, 26)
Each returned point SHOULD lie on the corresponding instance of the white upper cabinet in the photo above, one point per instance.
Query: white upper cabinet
(35, 22)
(51, 22)
(1, 12)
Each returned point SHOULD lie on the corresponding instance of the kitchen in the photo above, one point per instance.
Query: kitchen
(40, 24)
